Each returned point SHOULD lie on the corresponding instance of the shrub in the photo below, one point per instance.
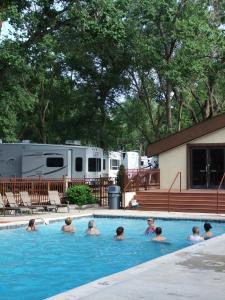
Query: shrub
(121, 177)
(81, 195)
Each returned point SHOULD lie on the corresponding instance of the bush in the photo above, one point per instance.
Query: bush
(81, 195)
(121, 177)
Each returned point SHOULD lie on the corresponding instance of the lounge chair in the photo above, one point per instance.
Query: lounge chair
(13, 204)
(26, 200)
(54, 199)
(4, 208)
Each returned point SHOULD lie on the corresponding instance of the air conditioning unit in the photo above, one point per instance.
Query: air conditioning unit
(73, 142)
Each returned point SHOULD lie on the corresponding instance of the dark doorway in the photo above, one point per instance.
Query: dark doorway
(207, 167)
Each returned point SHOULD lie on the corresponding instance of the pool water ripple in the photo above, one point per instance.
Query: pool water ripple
(37, 265)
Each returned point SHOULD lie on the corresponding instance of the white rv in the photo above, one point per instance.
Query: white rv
(131, 160)
(50, 161)
(149, 162)
(113, 161)
(28, 160)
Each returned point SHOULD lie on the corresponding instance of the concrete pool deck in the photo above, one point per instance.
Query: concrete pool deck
(195, 272)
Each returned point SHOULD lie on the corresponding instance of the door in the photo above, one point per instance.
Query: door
(207, 167)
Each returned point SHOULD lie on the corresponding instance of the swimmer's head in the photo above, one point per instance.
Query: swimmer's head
(207, 226)
(31, 222)
(158, 230)
(119, 230)
(150, 220)
(91, 224)
(195, 230)
(68, 221)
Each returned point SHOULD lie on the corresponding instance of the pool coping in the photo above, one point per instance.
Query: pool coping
(98, 289)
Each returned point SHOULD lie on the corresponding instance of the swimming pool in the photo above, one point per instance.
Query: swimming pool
(40, 264)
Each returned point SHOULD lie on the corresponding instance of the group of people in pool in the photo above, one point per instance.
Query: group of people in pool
(194, 237)
(152, 231)
(68, 227)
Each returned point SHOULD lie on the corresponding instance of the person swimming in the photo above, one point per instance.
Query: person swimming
(208, 234)
(119, 234)
(151, 227)
(195, 236)
(68, 227)
(31, 225)
(92, 230)
(159, 237)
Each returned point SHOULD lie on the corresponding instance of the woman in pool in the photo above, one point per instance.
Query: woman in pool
(208, 234)
(92, 230)
(158, 237)
(119, 234)
(151, 227)
(31, 226)
(195, 236)
(68, 227)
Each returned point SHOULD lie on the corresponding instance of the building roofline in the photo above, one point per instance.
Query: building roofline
(187, 135)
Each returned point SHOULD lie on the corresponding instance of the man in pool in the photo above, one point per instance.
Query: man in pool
(158, 237)
(92, 229)
(68, 227)
(119, 234)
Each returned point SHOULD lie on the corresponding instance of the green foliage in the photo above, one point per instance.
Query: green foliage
(117, 74)
(121, 177)
(81, 195)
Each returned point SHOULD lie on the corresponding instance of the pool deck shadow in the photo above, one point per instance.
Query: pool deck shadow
(195, 272)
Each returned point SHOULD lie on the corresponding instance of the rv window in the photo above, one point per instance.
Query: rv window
(94, 164)
(114, 164)
(54, 162)
(79, 164)
(103, 164)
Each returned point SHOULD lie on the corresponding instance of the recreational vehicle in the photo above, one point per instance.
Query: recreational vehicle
(50, 161)
(29, 160)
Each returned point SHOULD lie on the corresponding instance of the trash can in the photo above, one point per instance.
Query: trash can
(114, 196)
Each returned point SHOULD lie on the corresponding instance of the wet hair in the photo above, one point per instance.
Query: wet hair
(91, 224)
(31, 222)
(158, 230)
(207, 226)
(68, 221)
(195, 229)
(119, 230)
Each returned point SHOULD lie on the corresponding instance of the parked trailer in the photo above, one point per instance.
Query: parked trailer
(29, 160)
(50, 161)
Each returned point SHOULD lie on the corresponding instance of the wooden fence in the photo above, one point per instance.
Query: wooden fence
(38, 188)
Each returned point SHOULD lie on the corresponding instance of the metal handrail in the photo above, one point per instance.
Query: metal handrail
(217, 204)
(178, 173)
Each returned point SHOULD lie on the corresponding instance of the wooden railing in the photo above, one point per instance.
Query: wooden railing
(144, 180)
(178, 174)
(38, 188)
(221, 182)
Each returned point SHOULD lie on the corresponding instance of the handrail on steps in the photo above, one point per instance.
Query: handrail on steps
(217, 204)
(178, 173)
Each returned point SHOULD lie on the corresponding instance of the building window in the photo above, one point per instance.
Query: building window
(103, 164)
(114, 164)
(94, 164)
(79, 164)
(55, 162)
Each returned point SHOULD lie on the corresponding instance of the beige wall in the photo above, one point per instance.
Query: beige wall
(175, 160)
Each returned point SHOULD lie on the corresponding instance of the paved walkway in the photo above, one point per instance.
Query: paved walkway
(196, 272)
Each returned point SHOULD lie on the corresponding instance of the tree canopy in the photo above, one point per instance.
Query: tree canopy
(118, 74)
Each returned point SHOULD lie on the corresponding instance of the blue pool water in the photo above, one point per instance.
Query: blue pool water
(36, 265)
